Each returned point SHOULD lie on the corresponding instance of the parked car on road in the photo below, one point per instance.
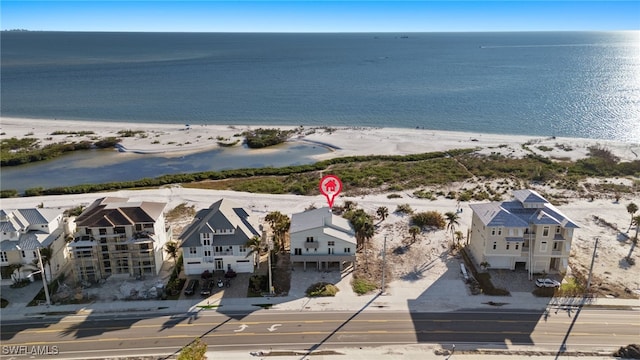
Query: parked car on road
(191, 287)
(548, 283)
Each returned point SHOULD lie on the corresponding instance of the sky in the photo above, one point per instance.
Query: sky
(320, 16)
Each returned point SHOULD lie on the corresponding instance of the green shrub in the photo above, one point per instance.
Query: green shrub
(362, 286)
(404, 209)
(429, 218)
(322, 289)
(394, 196)
(196, 350)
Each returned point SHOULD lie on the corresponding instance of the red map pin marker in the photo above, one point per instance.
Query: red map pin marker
(330, 187)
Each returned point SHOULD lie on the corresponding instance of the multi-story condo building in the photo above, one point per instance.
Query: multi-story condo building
(526, 233)
(23, 232)
(115, 236)
(318, 236)
(217, 239)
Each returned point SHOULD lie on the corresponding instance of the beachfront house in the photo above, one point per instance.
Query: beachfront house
(23, 232)
(118, 237)
(217, 239)
(525, 233)
(322, 238)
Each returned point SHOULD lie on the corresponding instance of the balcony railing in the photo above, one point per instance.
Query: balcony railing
(311, 245)
(223, 253)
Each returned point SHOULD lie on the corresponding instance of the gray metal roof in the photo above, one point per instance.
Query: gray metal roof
(529, 196)
(223, 214)
(514, 214)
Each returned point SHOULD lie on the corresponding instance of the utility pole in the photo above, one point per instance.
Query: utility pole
(384, 252)
(270, 246)
(593, 259)
(44, 278)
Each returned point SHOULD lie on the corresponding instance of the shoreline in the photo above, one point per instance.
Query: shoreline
(176, 140)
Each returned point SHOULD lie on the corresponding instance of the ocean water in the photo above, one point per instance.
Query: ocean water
(575, 84)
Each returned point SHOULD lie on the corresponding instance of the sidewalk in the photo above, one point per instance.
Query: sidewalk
(372, 302)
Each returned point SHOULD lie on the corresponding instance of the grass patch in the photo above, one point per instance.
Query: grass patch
(322, 289)
(258, 285)
(362, 286)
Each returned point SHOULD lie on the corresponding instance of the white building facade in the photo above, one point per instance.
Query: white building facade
(23, 232)
(216, 240)
(322, 238)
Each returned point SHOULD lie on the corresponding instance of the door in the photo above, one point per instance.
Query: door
(219, 265)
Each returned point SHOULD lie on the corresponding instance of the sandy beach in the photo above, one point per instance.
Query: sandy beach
(164, 139)
(178, 139)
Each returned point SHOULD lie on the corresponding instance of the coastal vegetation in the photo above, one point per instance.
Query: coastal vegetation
(14, 151)
(260, 138)
(397, 173)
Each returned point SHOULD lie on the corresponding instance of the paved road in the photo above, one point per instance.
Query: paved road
(82, 337)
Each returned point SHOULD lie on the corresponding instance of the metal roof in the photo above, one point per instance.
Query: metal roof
(514, 214)
(223, 214)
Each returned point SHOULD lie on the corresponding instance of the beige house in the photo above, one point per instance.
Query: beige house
(22, 233)
(117, 237)
(525, 233)
(320, 237)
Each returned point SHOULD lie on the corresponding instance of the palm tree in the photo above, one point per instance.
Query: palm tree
(414, 231)
(382, 212)
(172, 248)
(16, 267)
(46, 253)
(631, 209)
(459, 235)
(452, 221)
(255, 246)
(362, 224)
(280, 224)
(636, 221)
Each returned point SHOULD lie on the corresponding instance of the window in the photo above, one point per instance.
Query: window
(558, 229)
(121, 247)
(193, 250)
(517, 246)
(507, 246)
(119, 230)
(330, 251)
(556, 245)
(499, 231)
(206, 242)
(3, 256)
(309, 239)
(87, 231)
(543, 246)
(298, 251)
(102, 231)
(347, 250)
(331, 243)
(144, 246)
(218, 249)
(207, 253)
(34, 255)
(242, 248)
(545, 231)
(105, 248)
(23, 254)
(495, 245)
(493, 231)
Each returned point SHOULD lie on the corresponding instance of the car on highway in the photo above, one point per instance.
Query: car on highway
(191, 287)
(547, 283)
